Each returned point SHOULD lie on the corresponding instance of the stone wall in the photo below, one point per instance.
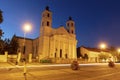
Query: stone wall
(3, 58)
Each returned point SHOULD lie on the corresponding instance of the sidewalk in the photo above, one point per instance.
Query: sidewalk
(13, 65)
(5, 65)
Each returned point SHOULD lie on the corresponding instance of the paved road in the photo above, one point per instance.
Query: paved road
(86, 72)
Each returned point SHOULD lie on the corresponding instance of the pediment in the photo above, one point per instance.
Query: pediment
(61, 31)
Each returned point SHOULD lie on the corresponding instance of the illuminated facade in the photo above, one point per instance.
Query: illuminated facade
(55, 43)
(93, 54)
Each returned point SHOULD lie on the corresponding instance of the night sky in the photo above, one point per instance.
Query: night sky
(96, 20)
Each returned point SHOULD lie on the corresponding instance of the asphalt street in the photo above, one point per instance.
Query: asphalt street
(61, 72)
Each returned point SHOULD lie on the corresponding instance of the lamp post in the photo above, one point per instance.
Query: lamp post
(118, 50)
(26, 28)
(102, 47)
(118, 55)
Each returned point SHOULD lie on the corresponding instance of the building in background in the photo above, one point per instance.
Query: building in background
(55, 43)
(93, 54)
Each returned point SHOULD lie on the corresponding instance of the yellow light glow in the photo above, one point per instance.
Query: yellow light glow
(118, 50)
(102, 45)
(27, 27)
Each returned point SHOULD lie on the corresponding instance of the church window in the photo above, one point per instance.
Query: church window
(60, 53)
(66, 56)
(48, 15)
(72, 31)
(55, 55)
(85, 56)
(67, 24)
(67, 30)
(71, 24)
(48, 23)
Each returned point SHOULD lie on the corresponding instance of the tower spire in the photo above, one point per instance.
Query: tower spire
(70, 18)
(47, 8)
(70, 24)
(46, 21)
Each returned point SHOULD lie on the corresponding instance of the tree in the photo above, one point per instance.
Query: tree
(14, 45)
(6, 45)
(1, 34)
(104, 56)
(85, 56)
(1, 17)
(1, 20)
(9, 45)
(115, 53)
(1, 46)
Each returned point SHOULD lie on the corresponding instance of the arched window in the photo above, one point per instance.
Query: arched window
(48, 23)
(60, 53)
(55, 55)
(48, 15)
(72, 24)
(85, 56)
(72, 31)
(67, 24)
(66, 56)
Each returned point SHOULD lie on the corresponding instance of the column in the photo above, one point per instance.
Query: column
(19, 57)
(30, 58)
(6, 55)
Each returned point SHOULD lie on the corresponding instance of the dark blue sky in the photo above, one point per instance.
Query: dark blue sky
(96, 20)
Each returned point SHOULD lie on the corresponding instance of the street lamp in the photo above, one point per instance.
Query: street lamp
(102, 46)
(27, 27)
(118, 54)
(118, 50)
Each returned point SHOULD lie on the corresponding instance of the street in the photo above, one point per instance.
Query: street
(86, 72)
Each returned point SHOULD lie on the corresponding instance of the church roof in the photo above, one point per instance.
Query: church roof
(61, 31)
(19, 37)
(95, 49)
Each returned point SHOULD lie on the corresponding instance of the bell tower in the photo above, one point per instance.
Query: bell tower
(45, 32)
(46, 21)
(70, 25)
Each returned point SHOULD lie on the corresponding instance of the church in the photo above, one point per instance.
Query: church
(58, 44)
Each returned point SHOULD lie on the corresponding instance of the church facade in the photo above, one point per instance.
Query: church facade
(54, 43)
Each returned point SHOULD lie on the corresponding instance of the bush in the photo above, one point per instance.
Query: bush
(45, 61)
